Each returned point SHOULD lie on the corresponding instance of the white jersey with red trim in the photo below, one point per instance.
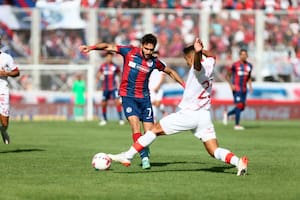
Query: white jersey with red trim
(197, 93)
(7, 65)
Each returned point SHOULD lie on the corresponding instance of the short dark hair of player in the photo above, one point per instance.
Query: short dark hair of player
(243, 50)
(109, 53)
(188, 49)
(149, 39)
(106, 53)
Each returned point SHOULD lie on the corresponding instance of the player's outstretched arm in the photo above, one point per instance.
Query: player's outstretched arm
(13, 73)
(198, 46)
(173, 74)
(99, 46)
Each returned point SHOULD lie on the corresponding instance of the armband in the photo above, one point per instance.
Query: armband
(183, 85)
(93, 47)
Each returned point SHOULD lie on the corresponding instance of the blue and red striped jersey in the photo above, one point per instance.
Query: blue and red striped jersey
(136, 71)
(240, 74)
(110, 72)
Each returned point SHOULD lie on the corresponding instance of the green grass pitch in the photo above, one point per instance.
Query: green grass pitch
(52, 160)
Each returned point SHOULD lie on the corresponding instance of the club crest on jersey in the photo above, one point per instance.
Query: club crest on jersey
(149, 63)
(128, 109)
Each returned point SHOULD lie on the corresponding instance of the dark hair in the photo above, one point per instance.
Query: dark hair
(149, 38)
(188, 49)
(243, 50)
(106, 53)
(109, 53)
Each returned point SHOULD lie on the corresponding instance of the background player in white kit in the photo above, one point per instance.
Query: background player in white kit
(194, 114)
(156, 80)
(7, 68)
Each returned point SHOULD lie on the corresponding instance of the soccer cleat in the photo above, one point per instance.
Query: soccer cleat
(121, 122)
(121, 158)
(238, 127)
(102, 123)
(242, 166)
(225, 118)
(5, 137)
(146, 163)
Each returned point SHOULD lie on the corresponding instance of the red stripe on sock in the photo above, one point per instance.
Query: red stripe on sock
(135, 136)
(103, 109)
(138, 146)
(228, 157)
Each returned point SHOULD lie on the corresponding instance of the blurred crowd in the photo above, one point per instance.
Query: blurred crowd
(229, 31)
(216, 5)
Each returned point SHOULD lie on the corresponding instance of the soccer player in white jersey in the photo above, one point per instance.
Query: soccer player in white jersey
(194, 113)
(7, 68)
(156, 93)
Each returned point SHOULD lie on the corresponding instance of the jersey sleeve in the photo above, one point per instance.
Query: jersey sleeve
(209, 64)
(100, 69)
(123, 50)
(232, 68)
(160, 65)
(251, 69)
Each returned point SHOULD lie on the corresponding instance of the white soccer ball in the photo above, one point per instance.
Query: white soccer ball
(101, 161)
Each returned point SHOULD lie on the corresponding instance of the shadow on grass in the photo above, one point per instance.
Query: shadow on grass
(21, 150)
(220, 169)
(161, 164)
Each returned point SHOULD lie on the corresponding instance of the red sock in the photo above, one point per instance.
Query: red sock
(138, 147)
(135, 136)
(228, 157)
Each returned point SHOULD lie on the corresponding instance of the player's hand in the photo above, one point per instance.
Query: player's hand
(198, 45)
(3, 73)
(84, 49)
(232, 87)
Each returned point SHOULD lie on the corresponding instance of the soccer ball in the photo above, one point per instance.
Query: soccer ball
(101, 161)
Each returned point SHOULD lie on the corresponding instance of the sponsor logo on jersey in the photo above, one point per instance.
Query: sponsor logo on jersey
(138, 67)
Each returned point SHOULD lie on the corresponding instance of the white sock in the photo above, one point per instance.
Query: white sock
(130, 153)
(226, 156)
(145, 140)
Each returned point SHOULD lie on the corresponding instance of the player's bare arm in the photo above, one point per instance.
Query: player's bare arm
(99, 46)
(250, 85)
(228, 78)
(162, 80)
(13, 73)
(98, 75)
(173, 74)
(198, 46)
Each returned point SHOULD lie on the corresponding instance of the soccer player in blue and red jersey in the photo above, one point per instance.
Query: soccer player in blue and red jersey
(137, 67)
(107, 74)
(238, 77)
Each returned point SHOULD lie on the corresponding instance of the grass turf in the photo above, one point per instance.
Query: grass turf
(52, 160)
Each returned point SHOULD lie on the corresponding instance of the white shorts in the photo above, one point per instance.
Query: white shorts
(156, 96)
(199, 122)
(4, 104)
